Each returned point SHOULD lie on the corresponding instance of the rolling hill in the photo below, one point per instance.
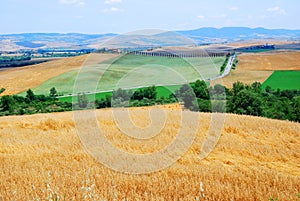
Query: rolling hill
(42, 157)
(17, 80)
(200, 36)
(241, 33)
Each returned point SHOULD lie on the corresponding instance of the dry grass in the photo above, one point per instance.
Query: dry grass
(257, 67)
(270, 61)
(245, 76)
(256, 158)
(17, 80)
(257, 42)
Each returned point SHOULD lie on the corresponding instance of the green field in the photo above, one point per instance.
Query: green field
(133, 71)
(161, 92)
(283, 80)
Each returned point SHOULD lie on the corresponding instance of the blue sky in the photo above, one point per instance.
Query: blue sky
(121, 16)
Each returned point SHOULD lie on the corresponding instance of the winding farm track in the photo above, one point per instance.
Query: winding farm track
(227, 68)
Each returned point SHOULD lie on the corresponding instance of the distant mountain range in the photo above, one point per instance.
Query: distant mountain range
(199, 36)
(241, 33)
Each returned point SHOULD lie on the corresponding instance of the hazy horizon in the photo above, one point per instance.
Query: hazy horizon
(103, 33)
(121, 16)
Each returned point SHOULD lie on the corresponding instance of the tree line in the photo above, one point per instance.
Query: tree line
(244, 99)
(5, 59)
(32, 104)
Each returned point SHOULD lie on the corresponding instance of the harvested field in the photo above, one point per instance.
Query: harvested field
(258, 67)
(245, 76)
(257, 42)
(270, 61)
(42, 156)
(17, 80)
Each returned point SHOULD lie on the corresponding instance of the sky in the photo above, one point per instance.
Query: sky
(122, 16)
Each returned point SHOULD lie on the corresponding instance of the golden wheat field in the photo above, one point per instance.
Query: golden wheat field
(270, 61)
(17, 80)
(257, 67)
(42, 158)
(255, 42)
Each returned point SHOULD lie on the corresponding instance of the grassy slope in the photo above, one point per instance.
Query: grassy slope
(132, 71)
(256, 158)
(17, 80)
(161, 92)
(283, 80)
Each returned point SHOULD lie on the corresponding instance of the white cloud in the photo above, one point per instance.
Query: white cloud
(234, 8)
(112, 1)
(277, 10)
(201, 16)
(112, 9)
(72, 2)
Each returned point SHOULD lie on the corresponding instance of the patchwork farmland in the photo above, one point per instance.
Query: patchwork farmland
(17, 80)
(255, 158)
(260, 66)
(131, 71)
(119, 100)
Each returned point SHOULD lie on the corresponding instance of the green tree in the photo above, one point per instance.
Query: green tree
(296, 110)
(187, 95)
(108, 100)
(237, 87)
(245, 102)
(53, 92)
(219, 89)
(30, 95)
(2, 90)
(148, 93)
(256, 87)
(121, 94)
(8, 103)
(268, 89)
(82, 100)
(200, 89)
(218, 106)
(203, 105)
